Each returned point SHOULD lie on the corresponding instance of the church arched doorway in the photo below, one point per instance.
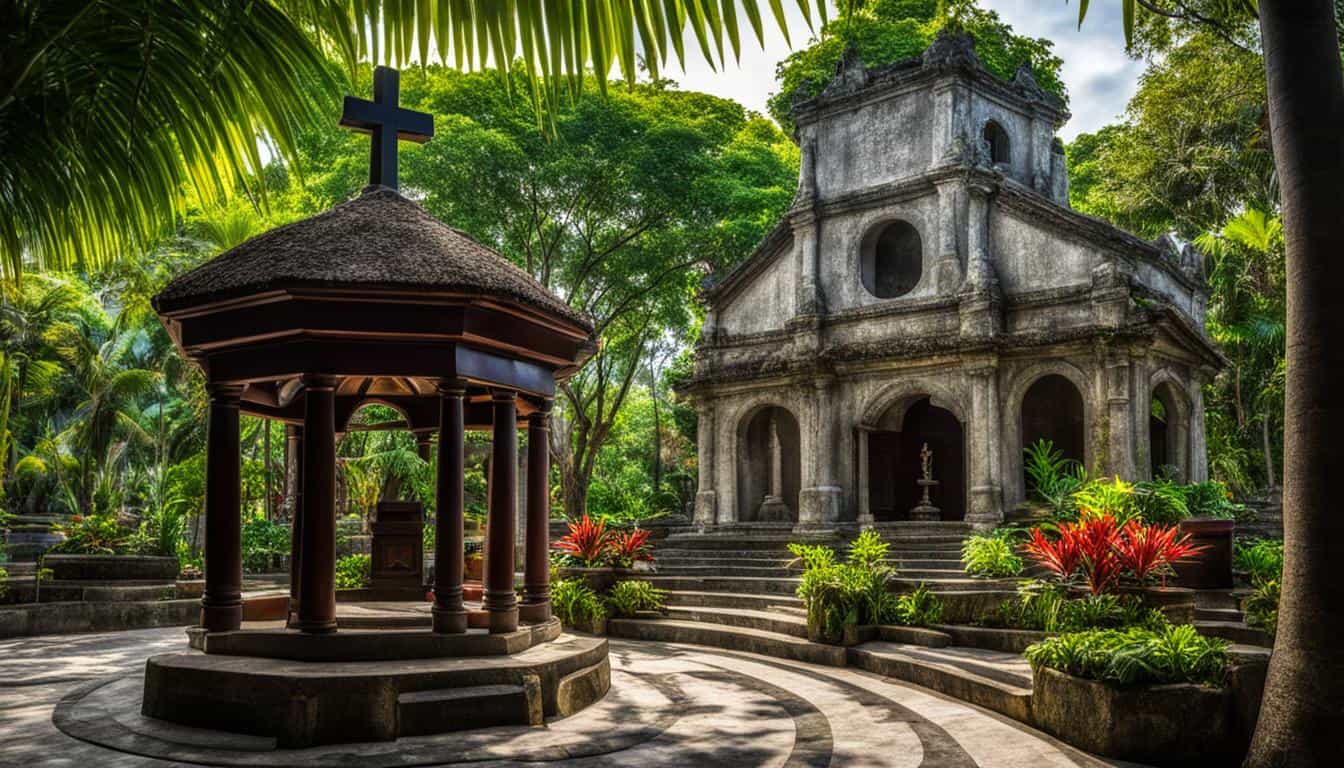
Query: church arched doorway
(1052, 410)
(894, 463)
(769, 469)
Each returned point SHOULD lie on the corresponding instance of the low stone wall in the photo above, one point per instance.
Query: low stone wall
(111, 568)
(991, 638)
(68, 618)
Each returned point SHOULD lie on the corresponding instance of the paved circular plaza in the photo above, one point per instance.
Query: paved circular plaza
(74, 700)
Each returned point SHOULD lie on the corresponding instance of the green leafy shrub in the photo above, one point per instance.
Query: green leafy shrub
(1160, 501)
(354, 572)
(1045, 607)
(4, 583)
(1051, 478)
(574, 603)
(1135, 656)
(1262, 606)
(95, 534)
(838, 595)
(990, 556)
(1261, 559)
(629, 597)
(264, 543)
(1213, 499)
(917, 609)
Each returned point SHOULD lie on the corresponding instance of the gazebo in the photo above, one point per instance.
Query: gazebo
(373, 300)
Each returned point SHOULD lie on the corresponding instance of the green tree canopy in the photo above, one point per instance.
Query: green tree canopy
(886, 31)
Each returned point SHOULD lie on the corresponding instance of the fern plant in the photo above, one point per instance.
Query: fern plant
(629, 597)
(1052, 478)
(990, 557)
(575, 604)
(1262, 606)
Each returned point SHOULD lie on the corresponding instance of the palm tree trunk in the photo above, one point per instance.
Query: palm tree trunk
(1304, 693)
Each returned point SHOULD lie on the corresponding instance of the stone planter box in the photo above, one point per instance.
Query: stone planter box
(111, 568)
(1163, 725)
(1212, 568)
(600, 580)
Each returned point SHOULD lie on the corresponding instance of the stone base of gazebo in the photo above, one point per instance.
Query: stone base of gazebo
(374, 685)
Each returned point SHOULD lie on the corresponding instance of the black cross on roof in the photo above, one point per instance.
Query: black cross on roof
(385, 122)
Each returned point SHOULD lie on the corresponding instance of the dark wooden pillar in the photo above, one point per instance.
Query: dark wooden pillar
(450, 616)
(222, 601)
(536, 605)
(317, 579)
(293, 484)
(500, 601)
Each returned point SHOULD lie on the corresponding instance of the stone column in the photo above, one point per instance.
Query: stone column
(1139, 415)
(1199, 448)
(317, 580)
(536, 605)
(776, 459)
(222, 602)
(450, 616)
(805, 236)
(819, 502)
(865, 516)
(706, 496)
(986, 496)
(294, 482)
(1120, 420)
(501, 603)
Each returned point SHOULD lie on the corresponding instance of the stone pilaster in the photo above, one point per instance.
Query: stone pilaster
(1119, 390)
(947, 270)
(706, 496)
(863, 492)
(821, 500)
(983, 435)
(806, 233)
(980, 315)
(1140, 364)
(1199, 442)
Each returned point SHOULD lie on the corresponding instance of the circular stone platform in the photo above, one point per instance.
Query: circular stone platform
(306, 703)
(353, 645)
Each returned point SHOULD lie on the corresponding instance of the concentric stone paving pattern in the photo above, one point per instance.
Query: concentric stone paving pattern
(669, 705)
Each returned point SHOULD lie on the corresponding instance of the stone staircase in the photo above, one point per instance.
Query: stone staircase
(736, 590)
(1218, 614)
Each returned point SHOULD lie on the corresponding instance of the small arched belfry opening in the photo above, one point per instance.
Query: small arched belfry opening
(1000, 149)
(1052, 410)
(891, 259)
(769, 469)
(894, 463)
(1169, 432)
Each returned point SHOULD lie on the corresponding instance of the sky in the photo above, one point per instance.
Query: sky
(1099, 76)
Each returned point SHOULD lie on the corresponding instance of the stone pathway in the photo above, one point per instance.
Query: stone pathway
(670, 705)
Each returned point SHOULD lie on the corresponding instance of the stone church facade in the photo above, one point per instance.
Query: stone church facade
(930, 285)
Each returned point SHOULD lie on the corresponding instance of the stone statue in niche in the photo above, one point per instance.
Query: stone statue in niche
(926, 510)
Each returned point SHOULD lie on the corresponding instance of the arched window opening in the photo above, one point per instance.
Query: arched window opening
(1167, 433)
(1052, 410)
(769, 467)
(892, 260)
(997, 139)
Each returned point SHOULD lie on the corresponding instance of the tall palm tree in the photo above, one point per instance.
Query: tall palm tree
(1304, 693)
(112, 112)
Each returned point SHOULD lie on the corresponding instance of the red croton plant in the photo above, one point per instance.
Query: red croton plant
(594, 544)
(1102, 551)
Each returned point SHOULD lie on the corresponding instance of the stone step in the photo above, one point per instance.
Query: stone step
(1220, 598)
(905, 582)
(751, 585)
(1236, 631)
(1218, 614)
(701, 599)
(479, 706)
(768, 621)
(991, 679)
(725, 570)
(729, 638)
